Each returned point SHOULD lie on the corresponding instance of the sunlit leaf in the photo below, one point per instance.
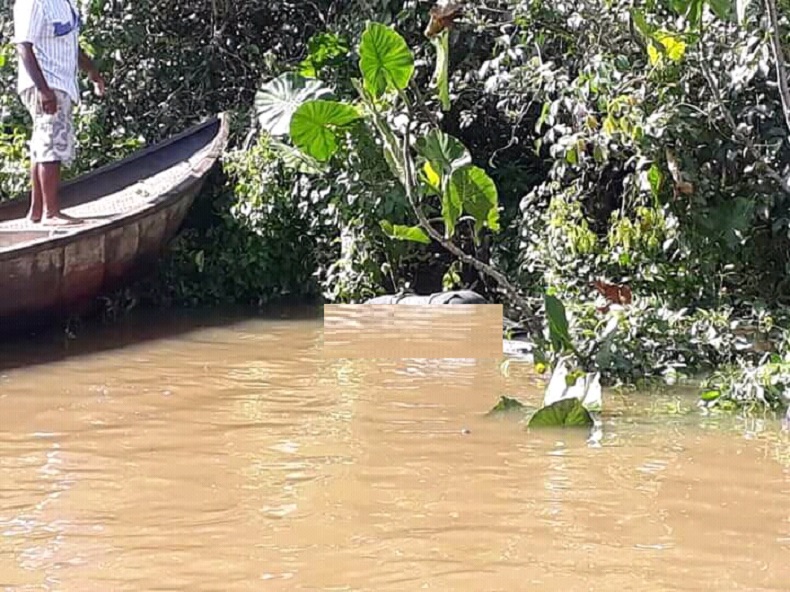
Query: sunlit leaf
(406, 233)
(477, 193)
(609, 125)
(324, 49)
(314, 127)
(431, 177)
(452, 208)
(674, 47)
(655, 178)
(559, 334)
(710, 395)
(385, 60)
(277, 100)
(441, 76)
(445, 153)
(566, 413)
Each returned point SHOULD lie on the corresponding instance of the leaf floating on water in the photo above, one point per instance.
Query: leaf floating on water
(567, 413)
(506, 405)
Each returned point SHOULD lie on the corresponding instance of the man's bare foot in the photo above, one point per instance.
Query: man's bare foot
(33, 219)
(60, 219)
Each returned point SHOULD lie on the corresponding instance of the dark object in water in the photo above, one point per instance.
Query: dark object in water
(131, 209)
(457, 297)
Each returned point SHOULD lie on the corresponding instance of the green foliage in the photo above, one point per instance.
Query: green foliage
(567, 413)
(444, 153)
(385, 60)
(441, 75)
(278, 99)
(471, 190)
(260, 248)
(556, 153)
(325, 50)
(559, 336)
(315, 126)
(408, 233)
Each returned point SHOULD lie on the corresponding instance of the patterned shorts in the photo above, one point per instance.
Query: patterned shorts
(53, 138)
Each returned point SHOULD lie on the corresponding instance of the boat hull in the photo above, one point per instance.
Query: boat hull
(50, 277)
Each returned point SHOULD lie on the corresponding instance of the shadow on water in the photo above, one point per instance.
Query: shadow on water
(142, 325)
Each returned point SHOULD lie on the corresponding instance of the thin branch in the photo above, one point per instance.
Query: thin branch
(779, 58)
(429, 115)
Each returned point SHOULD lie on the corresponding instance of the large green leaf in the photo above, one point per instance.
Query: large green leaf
(477, 193)
(278, 99)
(386, 62)
(567, 413)
(445, 153)
(314, 127)
(559, 333)
(407, 233)
(452, 208)
(441, 76)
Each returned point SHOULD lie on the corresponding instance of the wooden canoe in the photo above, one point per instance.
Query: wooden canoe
(132, 208)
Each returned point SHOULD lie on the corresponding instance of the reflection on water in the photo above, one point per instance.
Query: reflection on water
(236, 457)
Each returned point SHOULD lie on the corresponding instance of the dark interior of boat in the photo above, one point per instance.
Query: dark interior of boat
(116, 176)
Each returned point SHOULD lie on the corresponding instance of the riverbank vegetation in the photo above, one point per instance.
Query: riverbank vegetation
(629, 158)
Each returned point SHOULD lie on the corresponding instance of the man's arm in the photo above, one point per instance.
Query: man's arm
(28, 24)
(49, 101)
(86, 65)
(30, 63)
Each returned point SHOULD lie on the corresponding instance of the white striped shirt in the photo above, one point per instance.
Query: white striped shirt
(52, 27)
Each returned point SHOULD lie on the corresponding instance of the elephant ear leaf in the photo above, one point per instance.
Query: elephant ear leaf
(316, 124)
(476, 192)
(567, 413)
(278, 100)
(385, 60)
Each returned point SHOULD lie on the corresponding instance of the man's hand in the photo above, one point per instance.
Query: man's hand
(49, 101)
(98, 82)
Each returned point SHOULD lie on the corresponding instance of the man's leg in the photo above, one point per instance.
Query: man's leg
(49, 178)
(57, 147)
(36, 197)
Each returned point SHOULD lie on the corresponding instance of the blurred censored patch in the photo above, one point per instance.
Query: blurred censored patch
(378, 331)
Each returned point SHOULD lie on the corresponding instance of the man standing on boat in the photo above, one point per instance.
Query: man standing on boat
(46, 33)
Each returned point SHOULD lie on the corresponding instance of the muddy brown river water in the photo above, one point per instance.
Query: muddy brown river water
(209, 453)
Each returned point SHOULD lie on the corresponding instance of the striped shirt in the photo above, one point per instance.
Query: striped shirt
(52, 27)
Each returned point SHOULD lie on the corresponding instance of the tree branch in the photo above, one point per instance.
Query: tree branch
(409, 186)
